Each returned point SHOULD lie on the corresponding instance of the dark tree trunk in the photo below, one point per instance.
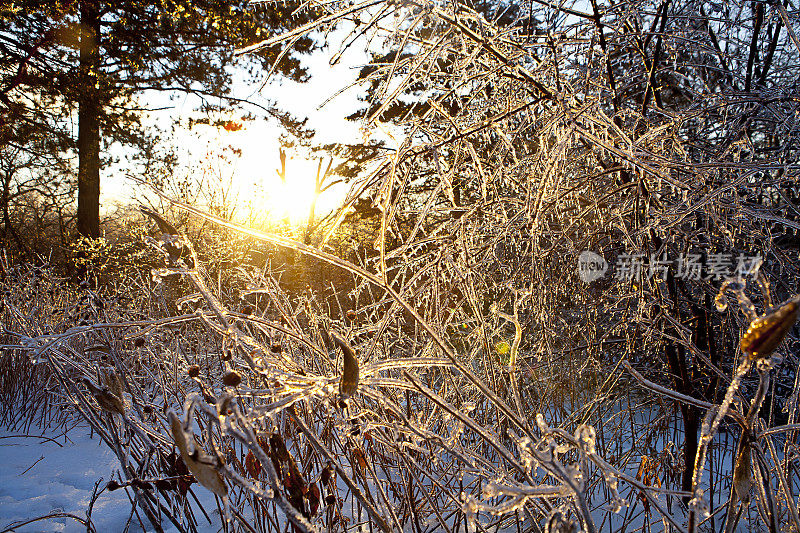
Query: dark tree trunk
(89, 122)
(8, 228)
(676, 357)
(679, 366)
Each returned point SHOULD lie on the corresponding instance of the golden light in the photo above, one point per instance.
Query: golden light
(246, 161)
(291, 200)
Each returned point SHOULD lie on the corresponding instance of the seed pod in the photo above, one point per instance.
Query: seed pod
(163, 226)
(313, 497)
(107, 400)
(199, 463)
(232, 378)
(278, 447)
(252, 465)
(193, 371)
(295, 487)
(111, 381)
(351, 315)
(742, 480)
(349, 382)
(766, 332)
(359, 459)
(326, 475)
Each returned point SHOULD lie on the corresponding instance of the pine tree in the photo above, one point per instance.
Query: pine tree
(94, 63)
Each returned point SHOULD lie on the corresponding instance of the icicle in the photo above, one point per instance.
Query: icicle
(471, 508)
(699, 505)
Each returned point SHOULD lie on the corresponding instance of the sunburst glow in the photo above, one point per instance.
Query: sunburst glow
(254, 174)
(290, 199)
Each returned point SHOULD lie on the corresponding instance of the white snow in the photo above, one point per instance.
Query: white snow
(38, 477)
(58, 479)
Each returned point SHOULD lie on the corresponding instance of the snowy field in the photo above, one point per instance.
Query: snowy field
(57, 476)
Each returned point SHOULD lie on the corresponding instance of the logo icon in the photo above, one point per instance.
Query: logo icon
(591, 266)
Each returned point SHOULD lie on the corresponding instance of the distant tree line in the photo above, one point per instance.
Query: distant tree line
(77, 75)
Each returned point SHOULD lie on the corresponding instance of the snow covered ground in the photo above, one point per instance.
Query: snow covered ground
(54, 474)
(40, 477)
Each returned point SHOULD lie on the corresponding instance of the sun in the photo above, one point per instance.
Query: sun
(290, 199)
(261, 194)
(279, 201)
